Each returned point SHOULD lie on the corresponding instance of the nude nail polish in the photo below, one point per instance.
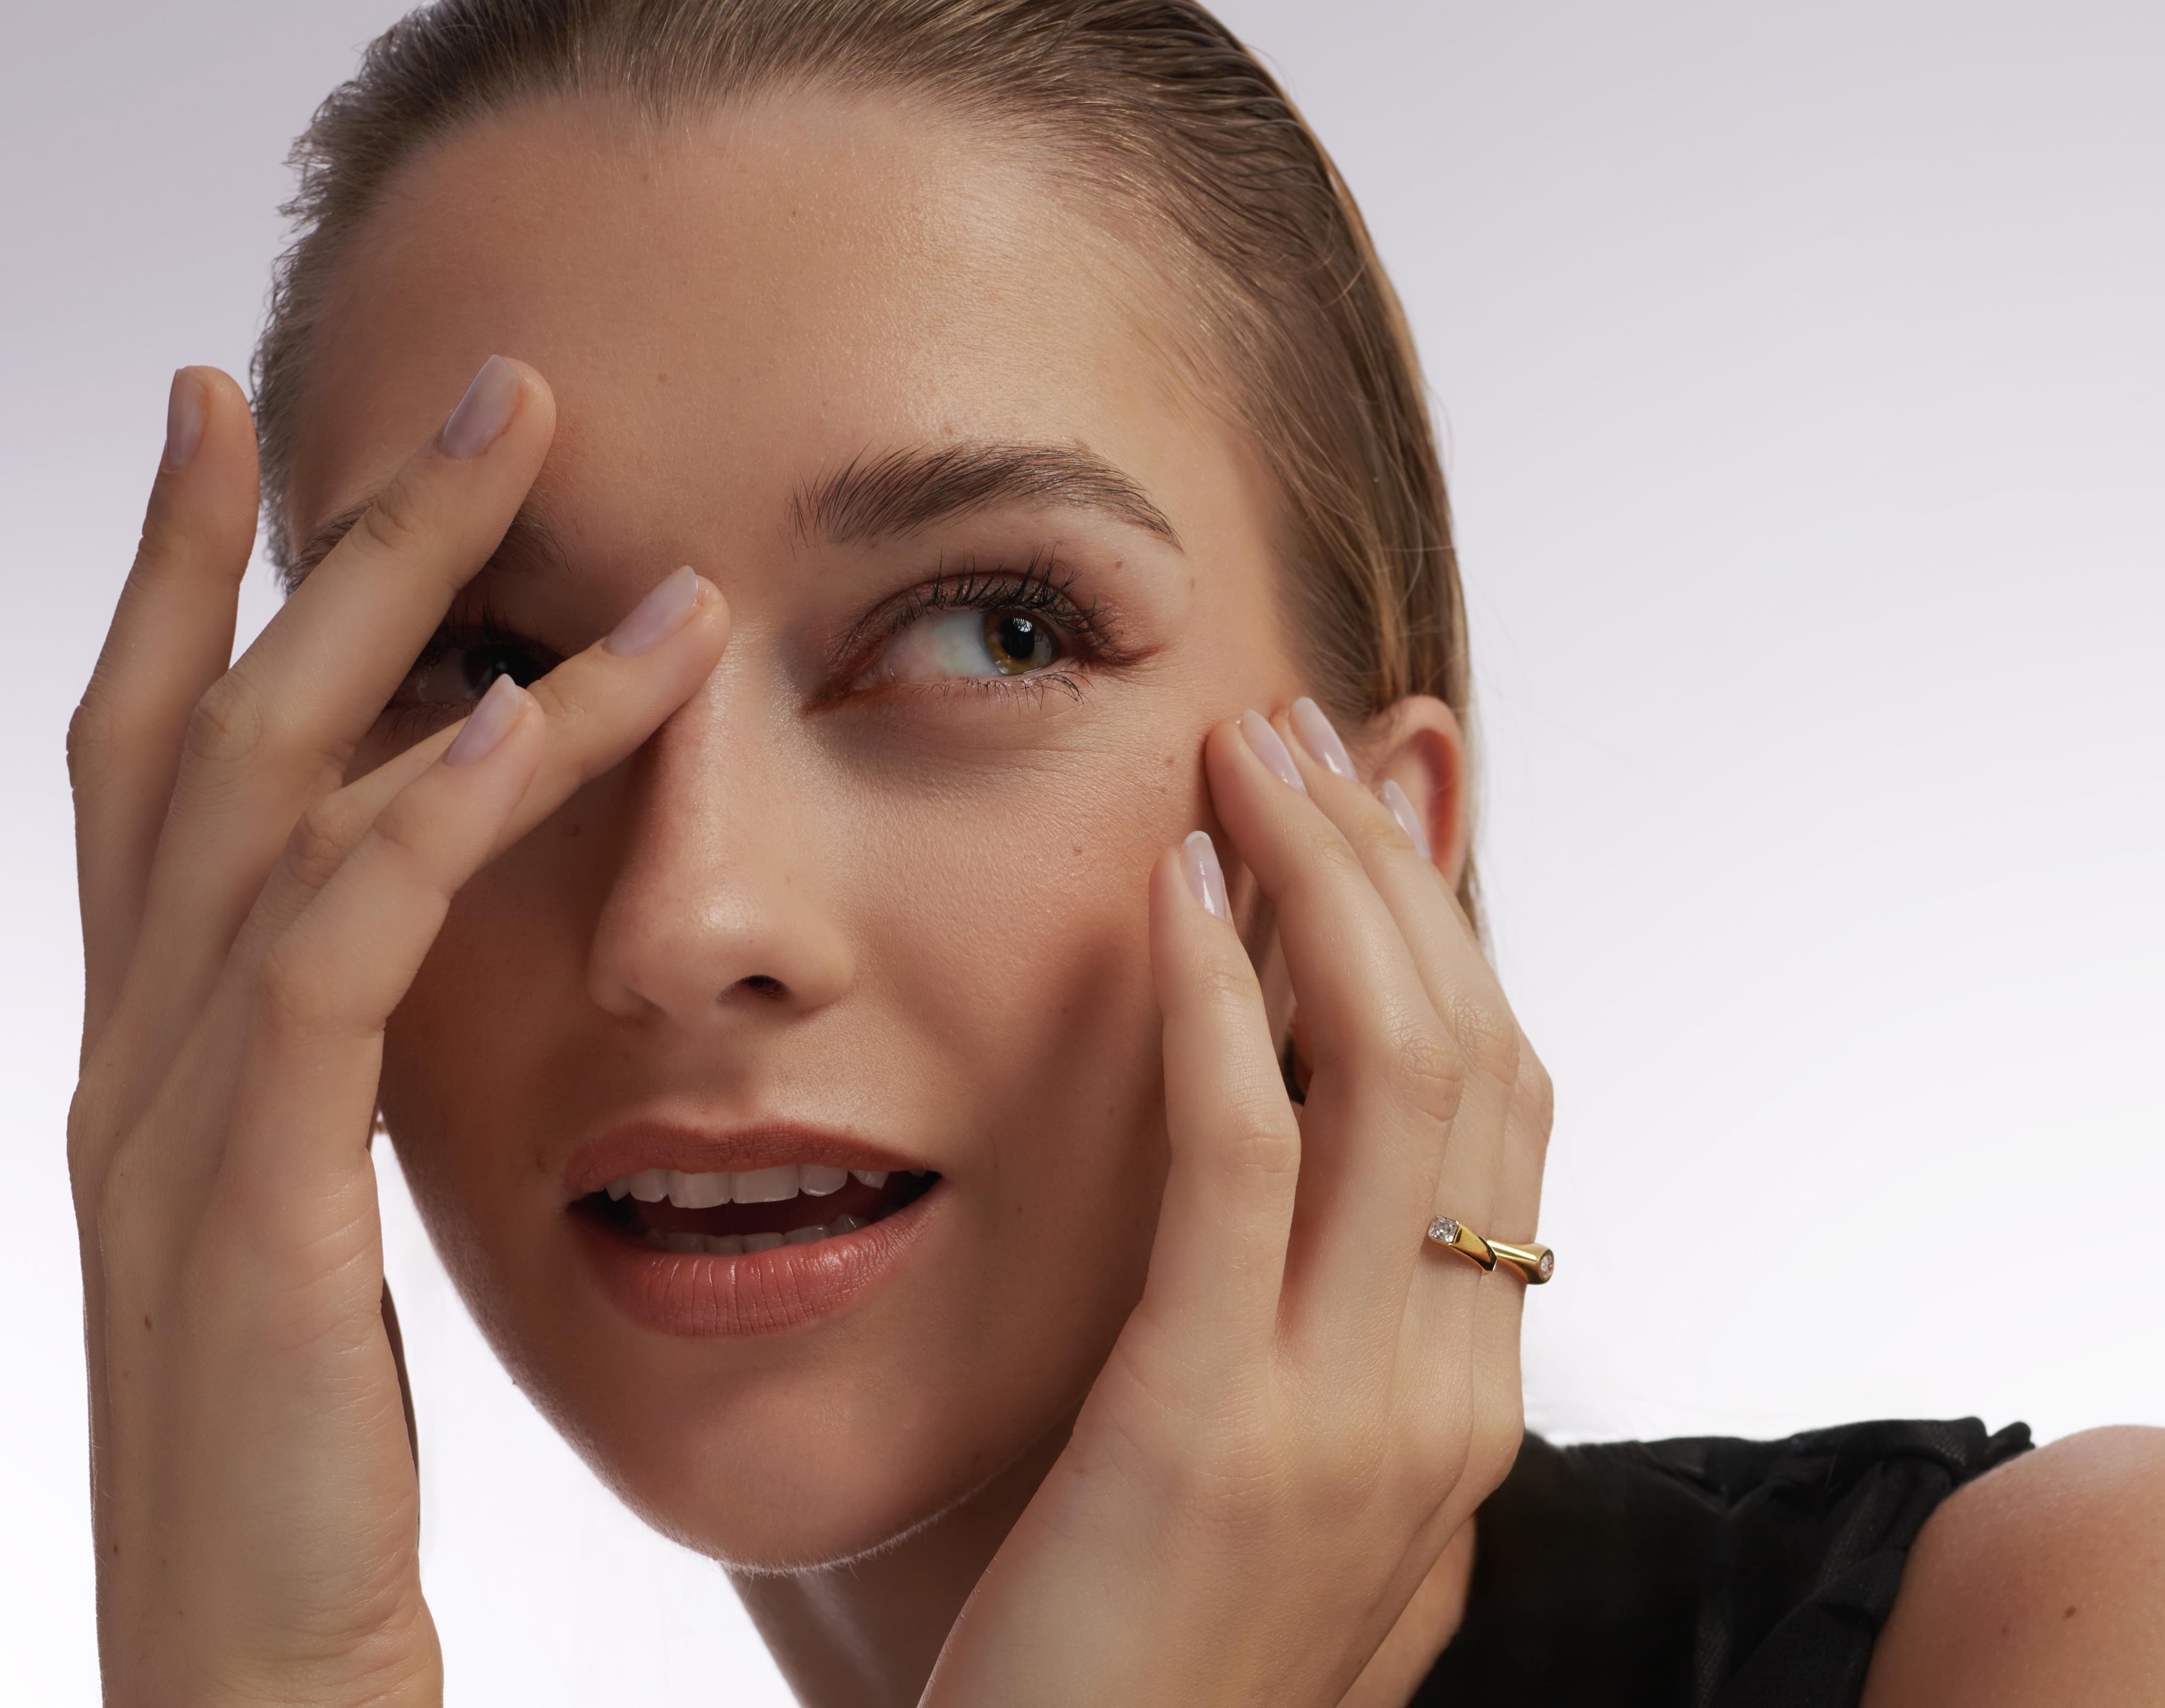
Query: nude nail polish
(1206, 878)
(657, 616)
(482, 414)
(1409, 821)
(486, 726)
(185, 410)
(1270, 749)
(1320, 738)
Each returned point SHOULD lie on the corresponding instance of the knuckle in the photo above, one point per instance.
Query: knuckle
(1536, 1090)
(93, 736)
(1224, 985)
(393, 525)
(1337, 860)
(1264, 1141)
(227, 725)
(1425, 1066)
(322, 837)
(1488, 1035)
(292, 993)
(401, 839)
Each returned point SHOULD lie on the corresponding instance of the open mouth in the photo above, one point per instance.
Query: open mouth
(732, 1213)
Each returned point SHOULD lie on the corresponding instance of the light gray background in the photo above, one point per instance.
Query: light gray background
(1805, 396)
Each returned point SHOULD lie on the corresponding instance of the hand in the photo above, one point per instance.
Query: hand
(250, 919)
(1307, 1404)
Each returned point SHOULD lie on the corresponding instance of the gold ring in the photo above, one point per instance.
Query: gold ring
(1537, 1263)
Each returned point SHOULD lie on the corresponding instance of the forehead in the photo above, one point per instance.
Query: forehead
(721, 301)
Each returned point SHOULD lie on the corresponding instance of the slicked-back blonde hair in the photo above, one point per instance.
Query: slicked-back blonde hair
(1152, 103)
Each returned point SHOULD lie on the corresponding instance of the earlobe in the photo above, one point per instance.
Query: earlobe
(1419, 745)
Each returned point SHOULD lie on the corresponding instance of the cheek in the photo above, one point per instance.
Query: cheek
(1016, 939)
(501, 993)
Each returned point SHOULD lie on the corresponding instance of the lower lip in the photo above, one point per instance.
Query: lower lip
(701, 1297)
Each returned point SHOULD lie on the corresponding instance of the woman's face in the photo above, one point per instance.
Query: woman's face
(874, 897)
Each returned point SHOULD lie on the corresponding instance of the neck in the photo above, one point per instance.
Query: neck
(865, 1633)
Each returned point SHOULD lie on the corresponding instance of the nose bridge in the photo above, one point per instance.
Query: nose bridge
(713, 903)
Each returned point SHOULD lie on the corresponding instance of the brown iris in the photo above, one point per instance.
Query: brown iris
(1016, 642)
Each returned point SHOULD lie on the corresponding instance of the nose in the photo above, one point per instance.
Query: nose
(714, 910)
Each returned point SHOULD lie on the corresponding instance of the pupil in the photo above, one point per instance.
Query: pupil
(484, 664)
(1016, 641)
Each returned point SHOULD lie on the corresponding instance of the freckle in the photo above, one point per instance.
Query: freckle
(146, 1323)
(662, 379)
(2069, 1613)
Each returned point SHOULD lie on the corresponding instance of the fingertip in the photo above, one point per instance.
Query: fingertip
(1203, 877)
(187, 410)
(494, 717)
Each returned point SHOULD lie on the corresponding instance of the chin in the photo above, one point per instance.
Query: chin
(791, 1469)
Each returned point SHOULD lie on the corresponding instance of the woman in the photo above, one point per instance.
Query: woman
(942, 1039)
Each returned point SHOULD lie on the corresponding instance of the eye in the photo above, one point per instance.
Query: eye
(451, 675)
(942, 644)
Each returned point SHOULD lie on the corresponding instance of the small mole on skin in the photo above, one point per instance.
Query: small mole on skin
(2069, 1613)
(146, 1323)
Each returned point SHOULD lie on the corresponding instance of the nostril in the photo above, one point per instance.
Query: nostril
(760, 983)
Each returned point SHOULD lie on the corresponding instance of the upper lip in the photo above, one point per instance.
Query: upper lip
(633, 1146)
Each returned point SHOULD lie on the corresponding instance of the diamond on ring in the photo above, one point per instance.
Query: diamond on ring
(1443, 1231)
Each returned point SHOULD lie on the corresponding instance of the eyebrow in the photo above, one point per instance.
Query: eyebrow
(528, 544)
(872, 498)
(903, 492)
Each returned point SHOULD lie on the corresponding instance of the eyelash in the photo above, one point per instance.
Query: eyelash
(1087, 634)
(484, 629)
(1040, 587)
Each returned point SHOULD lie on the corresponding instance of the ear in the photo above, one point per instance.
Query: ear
(1419, 745)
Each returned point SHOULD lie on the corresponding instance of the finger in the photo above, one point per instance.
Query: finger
(277, 729)
(172, 637)
(597, 707)
(1385, 1082)
(325, 989)
(1461, 987)
(1218, 1261)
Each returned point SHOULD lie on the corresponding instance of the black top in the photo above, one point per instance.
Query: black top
(1707, 1574)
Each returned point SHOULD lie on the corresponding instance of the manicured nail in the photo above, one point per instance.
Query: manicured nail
(1401, 810)
(657, 616)
(486, 724)
(1206, 878)
(1317, 735)
(1270, 749)
(483, 413)
(185, 407)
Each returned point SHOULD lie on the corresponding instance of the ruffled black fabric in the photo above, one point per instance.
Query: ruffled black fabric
(1700, 1573)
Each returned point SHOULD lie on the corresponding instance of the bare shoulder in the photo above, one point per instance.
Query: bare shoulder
(2043, 1582)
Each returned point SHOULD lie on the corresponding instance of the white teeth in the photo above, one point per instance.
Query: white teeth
(705, 1191)
(766, 1185)
(698, 1191)
(683, 1240)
